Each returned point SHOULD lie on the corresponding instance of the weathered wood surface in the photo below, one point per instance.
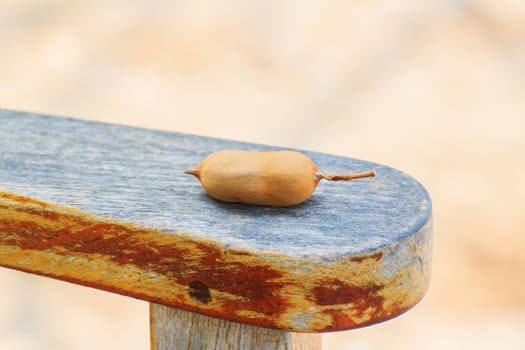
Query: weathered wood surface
(108, 206)
(176, 329)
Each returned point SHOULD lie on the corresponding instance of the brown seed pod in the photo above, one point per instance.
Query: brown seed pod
(277, 178)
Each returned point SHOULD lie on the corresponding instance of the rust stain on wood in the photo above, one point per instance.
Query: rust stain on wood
(367, 304)
(376, 256)
(337, 292)
(199, 275)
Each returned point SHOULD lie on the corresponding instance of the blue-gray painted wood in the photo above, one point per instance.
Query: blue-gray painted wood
(136, 175)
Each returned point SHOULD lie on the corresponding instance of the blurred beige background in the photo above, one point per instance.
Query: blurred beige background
(434, 88)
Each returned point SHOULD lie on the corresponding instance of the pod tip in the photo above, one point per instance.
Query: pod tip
(192, 171)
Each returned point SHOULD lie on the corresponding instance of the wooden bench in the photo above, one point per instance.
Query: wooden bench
(108, 206)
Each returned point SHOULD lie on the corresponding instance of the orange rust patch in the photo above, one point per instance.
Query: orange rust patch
(339, 292)
(359, 259)
(339, 320)
(22, 199)
(197, 274)
(366, 305)
(183, 260)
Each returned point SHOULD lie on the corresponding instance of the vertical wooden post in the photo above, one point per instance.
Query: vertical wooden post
(177, 329)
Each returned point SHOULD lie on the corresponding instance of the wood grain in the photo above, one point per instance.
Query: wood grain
(108, 206)
(175, 329)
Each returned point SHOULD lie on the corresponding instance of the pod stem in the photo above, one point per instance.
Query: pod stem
(346, 177)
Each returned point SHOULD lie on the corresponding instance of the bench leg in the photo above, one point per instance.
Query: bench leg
(171, 328)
